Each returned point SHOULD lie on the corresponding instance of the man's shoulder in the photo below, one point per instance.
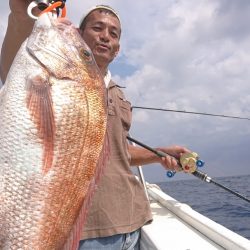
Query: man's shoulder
(118, 89)
(115, 84)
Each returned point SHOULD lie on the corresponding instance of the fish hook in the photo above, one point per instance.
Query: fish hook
(46, 6)
(31, 6)
(40, 4)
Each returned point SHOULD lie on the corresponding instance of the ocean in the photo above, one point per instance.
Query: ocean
(214, 202)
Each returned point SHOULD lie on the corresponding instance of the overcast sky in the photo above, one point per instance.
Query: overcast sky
(191, 55)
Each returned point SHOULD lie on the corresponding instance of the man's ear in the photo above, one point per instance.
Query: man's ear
(117, 51)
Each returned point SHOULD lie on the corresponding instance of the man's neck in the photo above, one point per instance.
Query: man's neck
(103, 69)
(107, 78)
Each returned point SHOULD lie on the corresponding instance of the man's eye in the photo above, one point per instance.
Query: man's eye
(114, 34)
(97, 28)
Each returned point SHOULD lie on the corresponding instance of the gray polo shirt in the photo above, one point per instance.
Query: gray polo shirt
(119, 204)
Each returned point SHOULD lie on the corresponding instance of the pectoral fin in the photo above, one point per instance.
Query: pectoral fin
(40, 105)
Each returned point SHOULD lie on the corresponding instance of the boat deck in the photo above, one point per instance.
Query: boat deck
(177, 226)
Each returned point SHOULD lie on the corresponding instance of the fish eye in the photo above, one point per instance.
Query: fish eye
(86, 55)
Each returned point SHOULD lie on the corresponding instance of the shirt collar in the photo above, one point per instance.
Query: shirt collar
(107, 78)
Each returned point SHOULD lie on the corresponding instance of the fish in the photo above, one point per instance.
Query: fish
(53, 136)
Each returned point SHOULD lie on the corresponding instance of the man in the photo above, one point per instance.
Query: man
(119, 207)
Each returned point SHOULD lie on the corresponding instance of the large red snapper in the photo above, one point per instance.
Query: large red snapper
(53, 121)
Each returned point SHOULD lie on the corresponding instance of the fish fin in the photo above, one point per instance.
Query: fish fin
(1, 89)
(2, 93)
(75, 234)
(40, 105)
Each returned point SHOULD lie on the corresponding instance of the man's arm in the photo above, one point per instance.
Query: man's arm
(19, 28)
(141, 156)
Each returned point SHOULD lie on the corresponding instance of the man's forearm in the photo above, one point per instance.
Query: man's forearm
(18, 30)
(141, 156)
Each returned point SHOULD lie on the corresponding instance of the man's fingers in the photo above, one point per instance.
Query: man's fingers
(170, 163)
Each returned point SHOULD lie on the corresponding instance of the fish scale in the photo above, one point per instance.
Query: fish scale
(53, 139)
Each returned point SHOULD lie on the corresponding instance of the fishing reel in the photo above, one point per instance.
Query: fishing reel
(189, 163)
(44, 4)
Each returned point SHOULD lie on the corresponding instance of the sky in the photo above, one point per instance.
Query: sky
(191, 55)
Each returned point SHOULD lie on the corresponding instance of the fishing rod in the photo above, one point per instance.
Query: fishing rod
(191, 112)
(189, 164)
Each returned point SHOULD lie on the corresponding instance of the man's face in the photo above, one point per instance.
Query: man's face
(102, 34)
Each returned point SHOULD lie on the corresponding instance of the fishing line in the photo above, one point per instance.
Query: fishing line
(202, 176)
(191, 112)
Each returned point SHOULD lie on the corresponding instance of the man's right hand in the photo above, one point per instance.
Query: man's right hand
(19, 27)
(19, 6)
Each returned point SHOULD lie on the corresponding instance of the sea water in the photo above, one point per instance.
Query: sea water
(214, 202)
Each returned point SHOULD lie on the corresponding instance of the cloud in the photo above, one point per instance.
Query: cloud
(194, 71)
(3, 21)
(192, 57)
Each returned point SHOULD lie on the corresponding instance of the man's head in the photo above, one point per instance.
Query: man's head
(101, 30)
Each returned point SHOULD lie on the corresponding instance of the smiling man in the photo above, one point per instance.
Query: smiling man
(119, 208)
(101, 30)
(113, 222)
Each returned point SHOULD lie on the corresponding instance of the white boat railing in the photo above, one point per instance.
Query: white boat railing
(210, 229)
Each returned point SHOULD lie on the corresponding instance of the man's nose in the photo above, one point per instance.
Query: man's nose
(104, 35)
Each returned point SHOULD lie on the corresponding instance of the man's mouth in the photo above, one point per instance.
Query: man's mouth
(103, 46)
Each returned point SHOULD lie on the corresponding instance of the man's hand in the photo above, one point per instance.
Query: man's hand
(19, 28)
(19, 6)
(170, 163)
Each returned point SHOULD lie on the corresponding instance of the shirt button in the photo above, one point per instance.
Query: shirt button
(110, 100)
